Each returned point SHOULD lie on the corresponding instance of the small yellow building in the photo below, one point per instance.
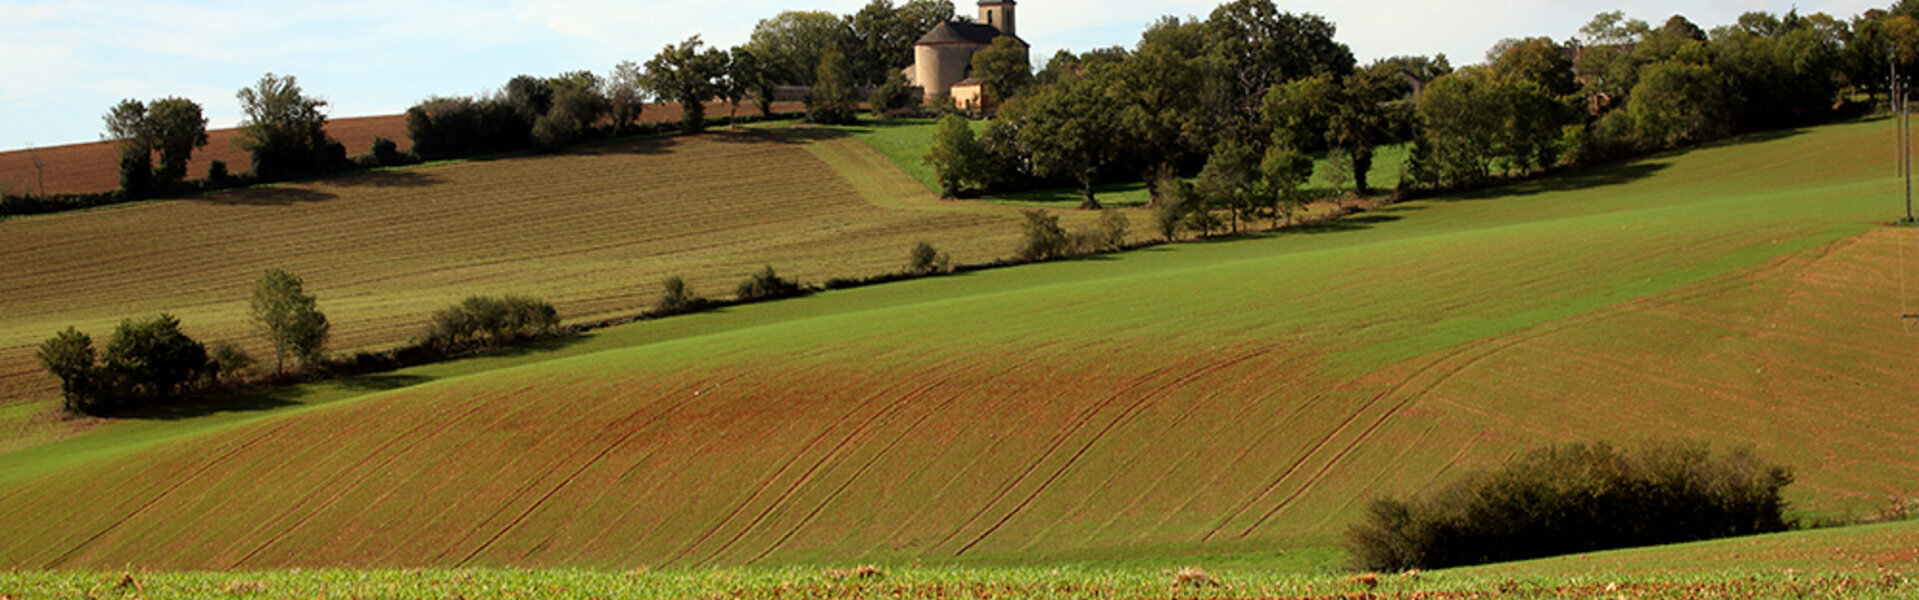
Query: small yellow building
(943, 58)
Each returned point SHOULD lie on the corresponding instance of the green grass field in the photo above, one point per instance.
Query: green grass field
(1197, 400)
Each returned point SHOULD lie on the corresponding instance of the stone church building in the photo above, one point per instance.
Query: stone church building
(943, 58)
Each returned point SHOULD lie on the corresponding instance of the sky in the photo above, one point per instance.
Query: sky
(64, 63)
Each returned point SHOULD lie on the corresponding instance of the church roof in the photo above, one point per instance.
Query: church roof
(960, 32)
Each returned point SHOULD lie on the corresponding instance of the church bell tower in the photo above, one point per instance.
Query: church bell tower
(999, 14)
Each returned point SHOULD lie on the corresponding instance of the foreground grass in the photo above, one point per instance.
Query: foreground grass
(1843, 563)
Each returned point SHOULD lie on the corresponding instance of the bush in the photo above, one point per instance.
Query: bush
(136, 175)
(228, 359)
(217, 173)
(486, 320)
(1043, 239)
(892, 96)
(678, 299)
(1574, 498)
(767, 285)
(386, 152)
(1110, 231)
(927, 259)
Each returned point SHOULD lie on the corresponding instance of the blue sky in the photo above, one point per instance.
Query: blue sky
(62, 64)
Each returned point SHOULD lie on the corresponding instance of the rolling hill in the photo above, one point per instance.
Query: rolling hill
(1211, 398)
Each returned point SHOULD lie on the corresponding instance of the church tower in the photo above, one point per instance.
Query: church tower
(998, 14)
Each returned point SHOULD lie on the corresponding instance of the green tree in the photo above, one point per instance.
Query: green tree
(69, 356)
(957, 157)
(172, 127)
(1537, 60)
(1461, 117)
(1255, 46)
(1002, 69)
(1231, 180)
(833, 100)
(686, 74)
(747, 70)
(1678, 101)
(284, 129)
(1063, 130)
(1284, 173)
(289, 318)
(625, 96)
(882, 35)
(151, 360)
(1163, 120)
(790, 44)
(530, 97)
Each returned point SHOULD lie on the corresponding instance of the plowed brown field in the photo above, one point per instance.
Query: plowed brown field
(94, 167)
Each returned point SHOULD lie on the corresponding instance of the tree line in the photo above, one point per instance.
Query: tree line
(1221, 116)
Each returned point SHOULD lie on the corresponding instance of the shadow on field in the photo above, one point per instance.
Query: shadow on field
(1582, 179)
(548, 344)
(1347, 223)
(248, 400)
(382, 382)
(268, 196)
(650, 145)
(389, 179)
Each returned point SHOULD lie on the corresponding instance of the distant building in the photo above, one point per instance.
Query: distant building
(943, 58)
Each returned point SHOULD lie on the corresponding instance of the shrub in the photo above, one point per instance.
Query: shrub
(891, 96)
(228, 359)
(676, 298)
(767, 285)
(136, 175)
(1575, 498)
(486, 320)
(1110, 231)
(386, 152)
(927, 259)
(1043, 239)
(217, 172)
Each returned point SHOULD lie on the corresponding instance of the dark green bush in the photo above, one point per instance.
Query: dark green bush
(217, 172)
(136, 175)
(677, 298)
(1043, 238)
(891, 96)
(1575, 498)
(386, 152)
(926, 259)
(487, 320)
(767, 285)
(228, 359)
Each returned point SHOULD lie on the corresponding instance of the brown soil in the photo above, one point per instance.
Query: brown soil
(94, 167)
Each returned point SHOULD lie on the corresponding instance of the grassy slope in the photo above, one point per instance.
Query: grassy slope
(1203, 398)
